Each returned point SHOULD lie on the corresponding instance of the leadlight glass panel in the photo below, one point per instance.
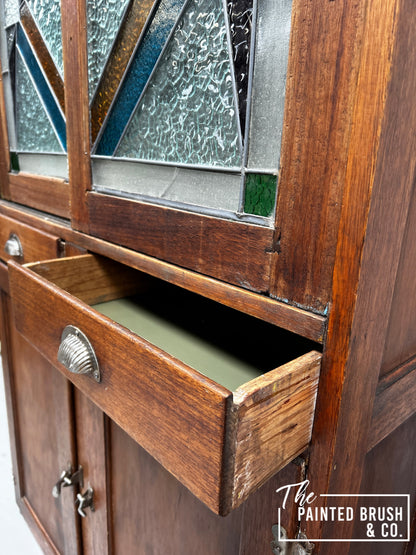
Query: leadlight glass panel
(104, 18)
(31, 57)
(34, 131)
(47, 14)
(187, 113)
(204, 88)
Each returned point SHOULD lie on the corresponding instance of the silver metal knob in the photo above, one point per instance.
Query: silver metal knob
(77, 354)
(13, 246)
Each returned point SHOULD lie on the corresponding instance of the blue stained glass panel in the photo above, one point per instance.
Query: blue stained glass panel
(33, 128)
(47, 14)
(48, 99)
(187, 113)
(138, 74)
(104, 18)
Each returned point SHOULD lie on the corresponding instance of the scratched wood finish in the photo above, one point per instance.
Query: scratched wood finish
(74, 46)
(321, 87)
(140, 380)
(48, 194)
(381, 163)
(36, 245)
(230, 251)
(294, 319)
(273, 417)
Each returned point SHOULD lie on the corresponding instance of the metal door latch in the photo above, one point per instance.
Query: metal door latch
(85, 500)
(68, 478)
(281, 545)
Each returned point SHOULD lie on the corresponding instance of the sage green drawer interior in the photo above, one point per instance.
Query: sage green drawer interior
(224, 345)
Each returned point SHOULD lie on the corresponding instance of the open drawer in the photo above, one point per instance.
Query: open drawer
(220, 399)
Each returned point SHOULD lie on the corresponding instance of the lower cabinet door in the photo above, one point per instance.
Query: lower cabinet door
(41, 427)
(141, 509)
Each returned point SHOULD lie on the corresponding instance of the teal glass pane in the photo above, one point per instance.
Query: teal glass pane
(47, 14)
(260, 194)
(104, 19)
(33, 127)
(187, 113)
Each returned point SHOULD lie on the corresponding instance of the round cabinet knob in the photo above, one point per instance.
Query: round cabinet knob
(13, 246)
(76, 353)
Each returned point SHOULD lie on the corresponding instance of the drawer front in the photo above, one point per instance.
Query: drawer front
(35, 244)
(175, 415)
(219, 446)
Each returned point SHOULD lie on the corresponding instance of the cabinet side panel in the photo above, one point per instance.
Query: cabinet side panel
(390, 469)
(401, 335)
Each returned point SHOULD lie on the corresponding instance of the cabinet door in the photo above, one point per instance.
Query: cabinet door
(40, 422)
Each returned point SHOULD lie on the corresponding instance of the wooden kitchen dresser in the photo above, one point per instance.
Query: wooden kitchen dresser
(239, 347)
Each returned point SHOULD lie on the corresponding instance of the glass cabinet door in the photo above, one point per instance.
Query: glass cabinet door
(32, 63)
(186, 102)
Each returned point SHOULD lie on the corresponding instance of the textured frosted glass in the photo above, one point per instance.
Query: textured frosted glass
(138, 73)
(218, 190)
(11, 12)
(33, 127)
(42, 85)
(47, 14)
(123, 48)
(104, 18)
(269, 81)
(187, 113)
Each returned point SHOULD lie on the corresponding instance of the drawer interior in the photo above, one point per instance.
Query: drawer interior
(227, 346)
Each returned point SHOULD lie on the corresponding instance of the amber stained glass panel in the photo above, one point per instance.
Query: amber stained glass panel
(127, 37)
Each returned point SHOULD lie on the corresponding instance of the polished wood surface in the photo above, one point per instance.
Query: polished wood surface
(49, 194)
(358, 320)
(322, 74)
(186, 239)
(36, 245)
(292, 318)
(74, 47)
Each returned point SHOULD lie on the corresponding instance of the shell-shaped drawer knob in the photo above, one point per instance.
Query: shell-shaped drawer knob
(76, 353)
(13, 246)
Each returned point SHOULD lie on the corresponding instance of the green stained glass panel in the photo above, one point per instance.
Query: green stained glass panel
(33, 127)
(187, 113)
(14, 162)
(260, 194)
(47, 14)
(104, 19)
